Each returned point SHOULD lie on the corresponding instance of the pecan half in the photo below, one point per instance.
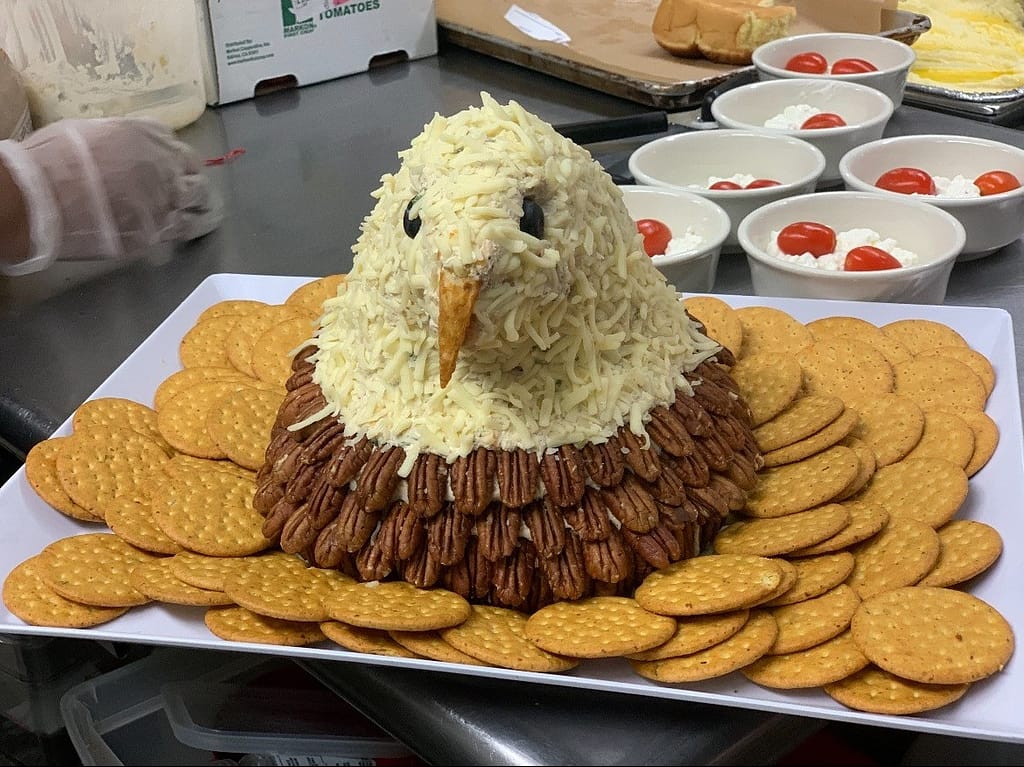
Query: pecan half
(447, 534)
(301, 360)
(355, 523)
(562, 472)
(298, 402)
(328, 550)
(376, 559)
(547, 527)
(321, 446)
(299, 378)
(669, 486)
(275, 520)
(694, 470)
(298, 531)
(696, 419)
(604, 462)
(658, 547)
(668, 431)
(379, 477)
(427, 483)
(642, 460)
(567, 573)
(539, 594)
(607, 561)
(713, 397)
(730, 491)
(472, 479)
(268, 493)
(422, 569)
(497, 530)
(589, 518)
(518, 475)
(715, 451)
(348, 461)
(301, 484)
(480, 570)
(409, 531)
(513, 577)
(711, 497)
(631, 504)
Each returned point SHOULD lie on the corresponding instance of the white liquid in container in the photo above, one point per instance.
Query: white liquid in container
(101, 58)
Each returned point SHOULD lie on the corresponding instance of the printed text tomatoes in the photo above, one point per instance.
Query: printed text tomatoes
(906, 181)
(852, 66)
(868, 258)
(823, 120)
(996, 181)
(807, 237)
(810, 62)
(656, 235)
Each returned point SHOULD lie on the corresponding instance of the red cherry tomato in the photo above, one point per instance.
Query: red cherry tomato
(906, 181)
(730, 185)
(810, 62)
(852, 66)
(761, 183)
(996, 181)
(656, 235)
(807, 237)
(823, 120)
(868, 258)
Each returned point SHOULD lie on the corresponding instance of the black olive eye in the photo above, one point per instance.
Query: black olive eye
(532, 222)
(409, 224)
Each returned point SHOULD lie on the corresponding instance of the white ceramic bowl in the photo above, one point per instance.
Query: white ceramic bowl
(687, 160)
(690, 271)
(934, 235)
(991, 222)
(865, 110)
(891, 58)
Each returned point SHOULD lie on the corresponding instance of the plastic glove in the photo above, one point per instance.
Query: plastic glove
(107, 188)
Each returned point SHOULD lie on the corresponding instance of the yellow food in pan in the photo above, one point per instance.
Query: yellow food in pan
(973, 45)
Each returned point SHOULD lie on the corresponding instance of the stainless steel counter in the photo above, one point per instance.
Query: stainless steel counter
(293, 205)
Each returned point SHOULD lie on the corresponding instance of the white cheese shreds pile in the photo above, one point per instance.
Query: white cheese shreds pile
(573, 335)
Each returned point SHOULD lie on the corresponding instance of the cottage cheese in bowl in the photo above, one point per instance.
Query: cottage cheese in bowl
(845, 242)
(792, 117)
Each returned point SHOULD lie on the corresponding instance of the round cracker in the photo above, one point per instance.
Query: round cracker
(275, 349)
(497, 636)
(814, 576)
(891, 425)
(182, 421)
(236, 624)
(232, 306)
(186, 378)
(205, 343)
(241, 342)
(813, 621)
(283, 586)
(371, 641)
(826, 328)
(310, 296)
(824, 663)
(430, 644)
(933, 635)
(204, 571)
(805, 416)
(29, 598)
(598, 627)
(241, 422)
(920, 335)
(945, 435)
(396, 606)
(720, 321)
(846, 368)
(832, 434)
(801, 485)
(781, 535)
(900, 555)
(878, 692)
(866, 470)
(694, 633)
(973, 359)
(715, 583)
(94, 569)
(157, 581)
(968, 549)
(768, 383)
(741, 649)
(866, 519)
(929, 490)
(766, 328)
(940, 383)
(134, 521)
(41, 473)
(118, 412)
(986, 438)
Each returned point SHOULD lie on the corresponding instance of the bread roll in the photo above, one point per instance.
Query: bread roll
(724, 31)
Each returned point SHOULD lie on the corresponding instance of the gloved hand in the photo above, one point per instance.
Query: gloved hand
(108, 188)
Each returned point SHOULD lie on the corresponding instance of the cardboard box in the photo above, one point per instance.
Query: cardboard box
(260, 45)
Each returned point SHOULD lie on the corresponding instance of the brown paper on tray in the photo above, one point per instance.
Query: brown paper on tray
(614, 36)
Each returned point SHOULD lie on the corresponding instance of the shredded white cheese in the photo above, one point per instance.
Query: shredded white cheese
(573, 335)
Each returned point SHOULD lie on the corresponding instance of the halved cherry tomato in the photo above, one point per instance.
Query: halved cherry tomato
(761, 183)
(656, 235)
(823, 120)
(810, 62)
(996, 181)
(807, 237)
(730, 185)
(868, 258)
(906, 181)
(852, 66)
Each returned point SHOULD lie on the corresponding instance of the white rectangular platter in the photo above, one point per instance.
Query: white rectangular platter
(989, 711)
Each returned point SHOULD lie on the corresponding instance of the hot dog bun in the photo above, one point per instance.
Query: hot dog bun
(724, 31)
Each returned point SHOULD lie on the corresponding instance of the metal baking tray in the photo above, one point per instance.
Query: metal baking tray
(685, 94)
(998, 107)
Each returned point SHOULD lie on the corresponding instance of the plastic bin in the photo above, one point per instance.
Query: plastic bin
(210, 707)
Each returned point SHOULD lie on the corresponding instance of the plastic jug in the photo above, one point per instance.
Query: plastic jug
(99, 58)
